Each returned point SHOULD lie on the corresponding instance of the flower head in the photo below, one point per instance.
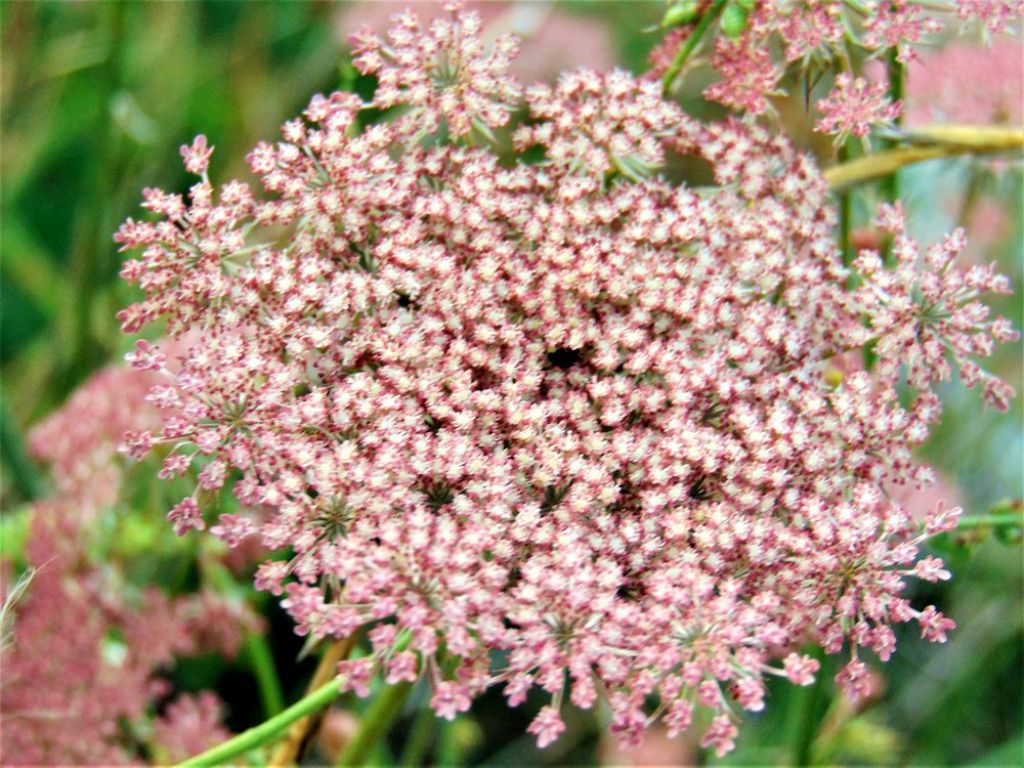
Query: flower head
(564, 410)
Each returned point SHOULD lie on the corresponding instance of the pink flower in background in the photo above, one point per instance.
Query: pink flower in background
(968, 83)
(752, 57)
(86, 654)
(997, 15)
(86, 650)
(115, 409)
(189, 725)
(81, 439)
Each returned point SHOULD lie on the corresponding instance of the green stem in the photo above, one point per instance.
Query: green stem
(261, 661)
(845, 213)
(419, 738)
(375, 724)
(891, 183)
(802, 717)
(690, 44)
(266, 732)
(1007, 520)
(28, 480)
(449, 752)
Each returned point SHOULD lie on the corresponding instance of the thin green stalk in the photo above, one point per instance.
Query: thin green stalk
(802, 717)
(24, 476)
(1004, 520)
(845, 212)
(891, 183)
(449, 751)
(261, 661)
(690, 44)
(375, 724)
(291, 745)
(266, 732)
(419, 738)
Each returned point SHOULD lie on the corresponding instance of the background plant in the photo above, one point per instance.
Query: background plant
(37, 379)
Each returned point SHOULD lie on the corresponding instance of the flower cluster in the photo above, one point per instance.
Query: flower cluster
(85, 655)
(83, 650)
(80, 440)
(854, 106)
(818, 36)
(565, 410)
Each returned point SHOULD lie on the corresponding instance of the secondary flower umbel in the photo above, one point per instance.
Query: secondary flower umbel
(564, 410)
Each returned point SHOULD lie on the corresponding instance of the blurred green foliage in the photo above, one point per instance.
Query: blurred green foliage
(96, 98)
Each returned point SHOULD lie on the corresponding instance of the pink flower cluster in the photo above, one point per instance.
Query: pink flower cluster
(813, 36)
(80, 440)
(83, 651)
(942, 85)
(567, 410)
(85, 655)
(853, 107)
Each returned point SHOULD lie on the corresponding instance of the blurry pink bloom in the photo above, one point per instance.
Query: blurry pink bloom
(943, 86)
(997, 15)
(801, 36)
(339, 726)
(189, 725)
(83, 658)
(81, 439)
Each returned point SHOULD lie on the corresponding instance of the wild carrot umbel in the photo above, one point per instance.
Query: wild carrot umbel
(612, 427)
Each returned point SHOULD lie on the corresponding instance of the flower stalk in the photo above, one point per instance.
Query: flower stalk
(266, 732)
(930, 143)
(375, 724)
(291, 747)
(691, 43)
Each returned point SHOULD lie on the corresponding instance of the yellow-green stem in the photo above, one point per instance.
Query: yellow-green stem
(375, 724)
(690, 44)
(941, 141)
(268, 731)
